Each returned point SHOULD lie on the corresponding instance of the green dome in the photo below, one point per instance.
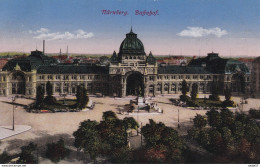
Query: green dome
(131, 45)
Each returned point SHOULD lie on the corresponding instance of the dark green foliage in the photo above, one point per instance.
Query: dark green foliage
(39, 95)
(108, 138)
(28, 154)
(214, 92)
(185, 98)
(109, 115)
(130, 123)
(152, 132)
(194, 92)
(216, 141)
(204, 138)
(227, 118)
(238, 130)
(254, 113)
(184, 88)
(243, 118)
(214, 118)
(5, 158)
(82, 96)
(162, 142)
(228, 140)
(200, 121)
(49, 99)
(252, 131)
(237, 137)
(227, 102)
(57, 151)
(49, 89)
(227, 93)
(87, 138)
(193, 133)
(121, 155)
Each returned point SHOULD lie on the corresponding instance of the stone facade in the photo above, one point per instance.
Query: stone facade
(130, 72)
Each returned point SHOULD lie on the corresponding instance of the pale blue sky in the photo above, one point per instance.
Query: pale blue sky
(188, 27)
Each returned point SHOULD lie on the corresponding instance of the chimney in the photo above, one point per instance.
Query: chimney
(43, 50)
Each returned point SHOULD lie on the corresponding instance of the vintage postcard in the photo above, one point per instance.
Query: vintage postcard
(129, 82)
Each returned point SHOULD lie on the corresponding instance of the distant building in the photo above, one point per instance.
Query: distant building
(3, 61)
(130, 72)
(255, 77)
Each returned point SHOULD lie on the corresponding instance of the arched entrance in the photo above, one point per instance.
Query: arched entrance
(135, 84)
(18, 83)
(238, 83)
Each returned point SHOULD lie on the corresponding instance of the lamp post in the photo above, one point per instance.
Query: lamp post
(13, 100)
(178, 119)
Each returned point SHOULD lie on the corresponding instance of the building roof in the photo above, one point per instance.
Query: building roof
(36, 59)
(72, 69)
(182, 70)
(218, 65)
(131, 45)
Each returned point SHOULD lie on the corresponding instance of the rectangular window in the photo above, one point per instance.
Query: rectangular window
(82, 77)
(66, 77)
(74, 77)
(57, 76)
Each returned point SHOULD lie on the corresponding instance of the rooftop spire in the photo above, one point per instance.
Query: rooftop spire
(131, 29)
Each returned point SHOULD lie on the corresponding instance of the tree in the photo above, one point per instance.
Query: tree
(82, 97)
(49, 89)
(216, 141)
(158, 136)
(5, 158)
(194, 92)
(227, 102)
(156, 154)
(109, 115)
(252, 131)
(49, 99)
(227, 93)
(152, 132)
(238, 130)
(200, 121)
(39, 95)
(227, 118)
(27, 156)
(57, 151)
(214, 118)
(214, 92)
(87, 138)
(184, 88)
(130, 123)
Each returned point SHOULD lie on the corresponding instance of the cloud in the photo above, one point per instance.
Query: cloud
(202, 32)
(44, 33)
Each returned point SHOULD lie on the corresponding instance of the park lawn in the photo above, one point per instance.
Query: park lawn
(59, 105)
(209, 103)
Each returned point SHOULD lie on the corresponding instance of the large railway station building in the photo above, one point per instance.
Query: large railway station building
(131, 71)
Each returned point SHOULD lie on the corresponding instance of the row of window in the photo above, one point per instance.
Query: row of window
(204, 77)
(72, 77)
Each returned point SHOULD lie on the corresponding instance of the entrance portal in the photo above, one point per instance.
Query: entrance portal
(135, 84)
(18, 83)
(238, 83)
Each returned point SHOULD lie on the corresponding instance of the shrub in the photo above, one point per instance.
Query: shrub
(184, 98)
(229, 103)
(5, 158)
(27, 156)
(194, 133)
(214, 118)
(200, 121)
(254, 113)
(57, 151)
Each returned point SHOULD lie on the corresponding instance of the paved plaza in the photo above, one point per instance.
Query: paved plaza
(49, 127)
